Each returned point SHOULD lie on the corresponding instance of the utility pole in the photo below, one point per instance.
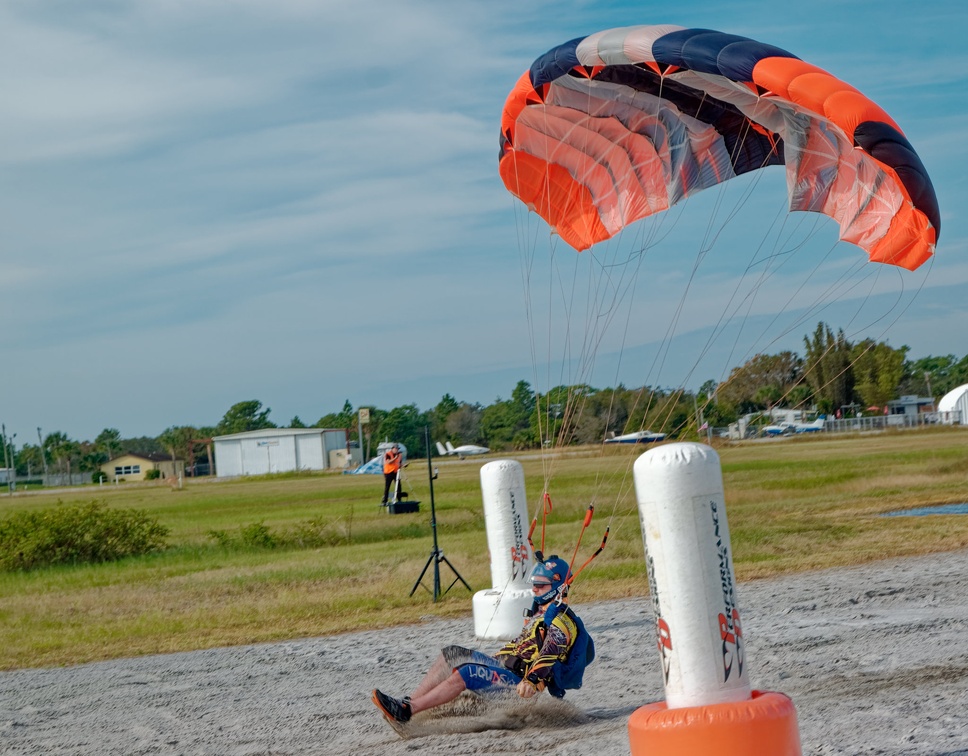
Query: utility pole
(6, 461)
(13, 464)
(43, 454)
(363, 418)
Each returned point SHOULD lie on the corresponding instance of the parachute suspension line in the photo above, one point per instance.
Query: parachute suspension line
(559, 410)
(833, 292)
(599, 480)
(702, 101)
(747, 302)
(914, 296)
(672, 327)
(767, 272)
(528, 255)
(606, 301)
(527, 263)
(712, 235)
(539, 553)
(713, 230)
(897, 317)
(606, 294)
(569, 402)
(546, 508)
(584, 526)
(741, 201)
(903, 310)
(574, 575)
(705, 246)
(666, 342)
(560, 420)
(728, 314)
(648, 406)
(623, 485)
(837, 292)
(817, 306)
(620, 481)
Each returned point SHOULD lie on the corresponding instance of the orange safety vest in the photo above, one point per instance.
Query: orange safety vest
(391, 462)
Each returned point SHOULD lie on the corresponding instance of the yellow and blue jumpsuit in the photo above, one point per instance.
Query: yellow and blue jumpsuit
(531, 656)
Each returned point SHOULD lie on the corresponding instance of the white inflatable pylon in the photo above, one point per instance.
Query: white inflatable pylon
(499, 612)
(710, 706)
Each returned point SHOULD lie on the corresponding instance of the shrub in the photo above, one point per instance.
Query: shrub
(312, 534)
(258, 534)
(82, 534)
(99, 475)
(221, 537)
(152, 474)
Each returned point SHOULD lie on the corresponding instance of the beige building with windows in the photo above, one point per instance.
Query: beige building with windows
(134, 466)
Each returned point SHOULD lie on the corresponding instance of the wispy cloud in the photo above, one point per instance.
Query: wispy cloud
(298, 201)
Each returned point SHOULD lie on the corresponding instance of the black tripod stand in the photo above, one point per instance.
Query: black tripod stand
(436, 555)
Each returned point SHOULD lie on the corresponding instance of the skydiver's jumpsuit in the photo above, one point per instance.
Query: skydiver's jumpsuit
(532, 656)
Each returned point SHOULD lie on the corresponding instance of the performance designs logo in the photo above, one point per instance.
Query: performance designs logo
(519, 559)
(662, 632)
(730, 631)
(520, 555)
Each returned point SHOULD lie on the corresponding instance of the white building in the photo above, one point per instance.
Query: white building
(911, 405)
(953, 406)
(275, 450)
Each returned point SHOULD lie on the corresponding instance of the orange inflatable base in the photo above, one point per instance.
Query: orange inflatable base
(766, 725)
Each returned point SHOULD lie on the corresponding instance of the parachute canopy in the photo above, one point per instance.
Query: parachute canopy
(608, 129)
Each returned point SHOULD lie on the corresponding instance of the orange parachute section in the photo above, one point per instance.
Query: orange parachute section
(605, 130)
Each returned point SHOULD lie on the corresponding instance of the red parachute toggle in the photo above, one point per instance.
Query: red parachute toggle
(607, 129)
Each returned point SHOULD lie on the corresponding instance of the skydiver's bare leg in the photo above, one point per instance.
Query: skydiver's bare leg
(439, 671)
(442, 693)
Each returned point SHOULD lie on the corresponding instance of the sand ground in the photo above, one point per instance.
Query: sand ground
(875, 659)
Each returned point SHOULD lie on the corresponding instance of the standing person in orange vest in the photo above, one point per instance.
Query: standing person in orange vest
(391, 469)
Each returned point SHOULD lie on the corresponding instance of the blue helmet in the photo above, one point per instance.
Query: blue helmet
(552, 572)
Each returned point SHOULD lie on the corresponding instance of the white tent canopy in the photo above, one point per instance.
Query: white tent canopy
(375, 465)
(954, 402)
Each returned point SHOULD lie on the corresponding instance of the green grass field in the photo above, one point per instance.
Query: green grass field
(793, 504)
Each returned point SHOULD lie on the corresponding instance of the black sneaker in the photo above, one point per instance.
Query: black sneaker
(394, 710)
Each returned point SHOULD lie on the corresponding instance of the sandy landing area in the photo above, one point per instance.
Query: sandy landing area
(875, 659)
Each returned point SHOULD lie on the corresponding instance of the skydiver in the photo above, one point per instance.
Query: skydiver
(538, 659)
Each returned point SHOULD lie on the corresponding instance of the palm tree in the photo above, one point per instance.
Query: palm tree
(62, 450)
(178, 440)
(108, 443)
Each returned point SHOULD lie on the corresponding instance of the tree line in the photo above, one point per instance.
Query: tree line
(832, 375)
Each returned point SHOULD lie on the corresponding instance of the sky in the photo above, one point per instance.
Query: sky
(298, 202)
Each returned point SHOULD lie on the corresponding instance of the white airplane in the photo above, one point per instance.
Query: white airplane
(639, 437)
(779, 429)
(782, 429)
(467, 450)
